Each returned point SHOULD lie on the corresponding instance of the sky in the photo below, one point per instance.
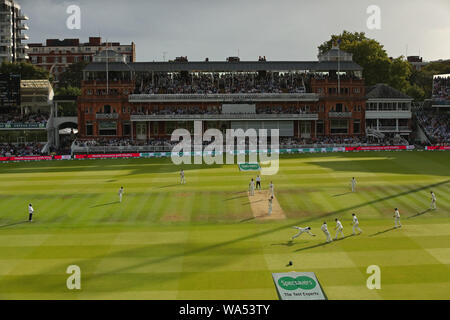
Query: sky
(277, 29)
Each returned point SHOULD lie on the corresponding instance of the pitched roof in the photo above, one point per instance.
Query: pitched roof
(384, 91)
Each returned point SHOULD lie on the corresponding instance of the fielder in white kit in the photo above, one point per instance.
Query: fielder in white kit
(339, 229)
(182, 179)
(302, 230)
(433, 201)
(324, 228)
(355, 224)
(270, 205)
(398, 224)
(251, 187)
(120, 194)
(353, 183)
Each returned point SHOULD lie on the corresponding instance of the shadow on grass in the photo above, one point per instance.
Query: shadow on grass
(250, 202)
(229, 199)
(104, 205)
(323, 244)
(419, 214)
(183, 252)
(13, 224)
(288, 243)
(168, 186)
(381, 232)
(342, 194)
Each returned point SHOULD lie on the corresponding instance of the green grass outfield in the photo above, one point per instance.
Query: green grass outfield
(199, 241)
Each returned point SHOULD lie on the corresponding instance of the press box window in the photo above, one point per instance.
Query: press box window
(339, 126)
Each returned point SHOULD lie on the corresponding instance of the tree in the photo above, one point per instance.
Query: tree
(415, 92)
(423, 79)
(69, 91)
(26, 70)
(73, 76)
(371, 55)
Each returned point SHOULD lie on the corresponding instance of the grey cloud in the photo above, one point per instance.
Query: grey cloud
(281, 30)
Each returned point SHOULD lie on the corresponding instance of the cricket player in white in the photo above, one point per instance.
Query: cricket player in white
(270, 205)
(324, 228)
(433, 201)
(30, 212)
(355, 224)
(251, 187)
(353, 183)
(271, 189)
(397, 218)
(302, 230)
(182, 179)
(120, 194)
(339, 228)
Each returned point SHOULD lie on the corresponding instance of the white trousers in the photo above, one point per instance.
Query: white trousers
(300, 232)
(328, 235)
(397, 222)
(356, 227)
(339, 231)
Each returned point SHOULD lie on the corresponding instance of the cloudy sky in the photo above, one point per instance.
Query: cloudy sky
(278, 29)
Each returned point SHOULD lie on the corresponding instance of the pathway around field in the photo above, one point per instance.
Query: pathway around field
(260, 206)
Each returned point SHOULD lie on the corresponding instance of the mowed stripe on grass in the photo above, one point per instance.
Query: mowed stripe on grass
(198, 241)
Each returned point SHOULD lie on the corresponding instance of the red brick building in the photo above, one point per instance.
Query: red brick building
(303, 99)
(56, 55)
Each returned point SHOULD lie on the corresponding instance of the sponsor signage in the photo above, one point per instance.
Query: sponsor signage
(242, 166)
(19, 125)
(431, 148)
(108, 156)
(298, 286)
(28, 158)
(378, 148)
(249, 166)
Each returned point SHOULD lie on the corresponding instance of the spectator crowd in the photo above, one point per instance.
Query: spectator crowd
(436, 126)
(441, 87)
(28, 118)
(221, 83)
(20, 149)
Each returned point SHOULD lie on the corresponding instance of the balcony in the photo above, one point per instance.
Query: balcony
(227, 117)
(237, 97)
(22, 17)
(398, 114)
(22, 37)
(107, 116)
(394, 129)
(339, 115)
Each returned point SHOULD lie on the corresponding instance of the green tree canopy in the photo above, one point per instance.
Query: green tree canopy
(68, 91)
(73, 76)
(371, 55)
(26, 70)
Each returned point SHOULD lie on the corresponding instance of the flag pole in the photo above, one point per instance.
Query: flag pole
(339, 68)
(107, 69)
